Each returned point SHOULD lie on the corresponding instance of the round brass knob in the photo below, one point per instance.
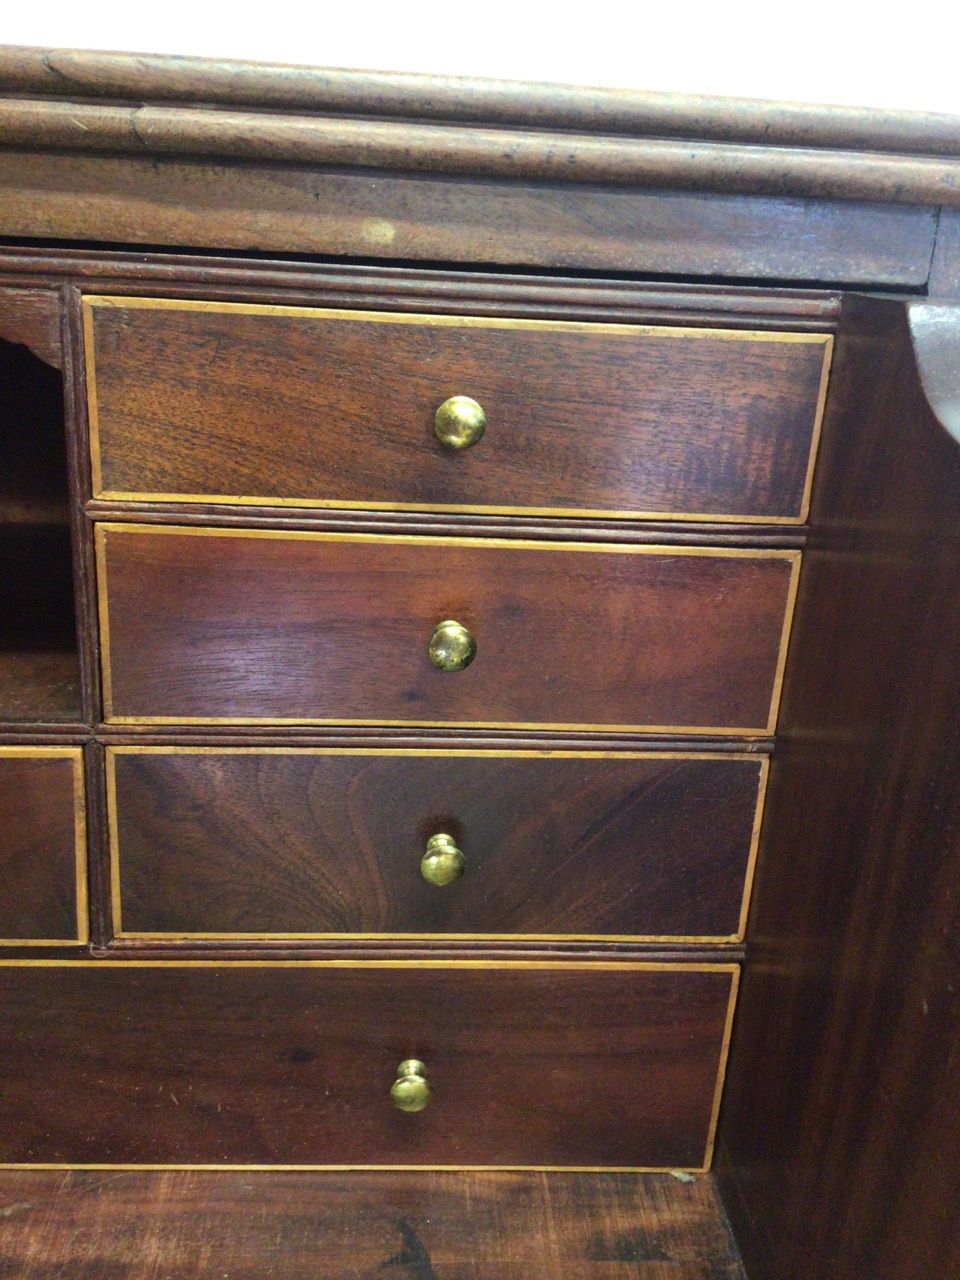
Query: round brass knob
(459, 422)
(443, 862)
(411, 1090)
(452, 647)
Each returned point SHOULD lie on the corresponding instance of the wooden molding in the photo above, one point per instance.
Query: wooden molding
(121, 103)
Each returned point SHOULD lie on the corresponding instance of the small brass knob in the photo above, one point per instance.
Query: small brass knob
(443, 862)
(452, 647)
(459, 422)
(411, 1089)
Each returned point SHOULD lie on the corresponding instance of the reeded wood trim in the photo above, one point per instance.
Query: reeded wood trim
(488, 127)
(410, 288)
(731, 168)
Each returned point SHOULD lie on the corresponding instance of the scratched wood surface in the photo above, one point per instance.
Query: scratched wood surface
(425, 1226)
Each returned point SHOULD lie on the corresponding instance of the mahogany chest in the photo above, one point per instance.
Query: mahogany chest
(478, 667)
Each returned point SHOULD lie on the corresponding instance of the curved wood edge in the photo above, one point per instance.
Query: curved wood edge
(480, 150)
(31, 317)
(935, 334)
(161, 78)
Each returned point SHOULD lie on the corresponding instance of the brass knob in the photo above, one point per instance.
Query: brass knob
(452, 647)
(411, 1090)
(443, 862)
(459, 422)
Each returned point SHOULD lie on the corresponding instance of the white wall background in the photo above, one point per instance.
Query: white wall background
(894, 55)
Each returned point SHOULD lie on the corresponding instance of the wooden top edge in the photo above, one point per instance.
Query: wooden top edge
(261, 114)
(495, 291)
(143, 77)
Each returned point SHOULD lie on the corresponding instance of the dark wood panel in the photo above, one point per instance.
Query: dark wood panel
(155, 201)
(253, 841)
(267, 1064)
(327, 1226)
(231, 625)
(33, 455)
(841, 1130)
(187, 401)
(40, 790)
(32, 317)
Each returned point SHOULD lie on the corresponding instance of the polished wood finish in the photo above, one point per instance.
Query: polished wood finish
(186, 401)
(42, 845)
(266, 1065)
(299, 841)
(841, 1132)
(325, 1226)
(841, 1155)
(239, 625)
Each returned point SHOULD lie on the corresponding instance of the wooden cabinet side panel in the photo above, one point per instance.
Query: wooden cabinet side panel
(840, 1148)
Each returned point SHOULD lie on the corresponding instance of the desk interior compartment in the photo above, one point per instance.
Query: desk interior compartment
(39, 664)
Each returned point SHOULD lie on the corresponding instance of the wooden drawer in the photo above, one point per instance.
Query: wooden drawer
(292, 1063)
(217, 402)
(306, 842)
(258, 626)
(43, 860)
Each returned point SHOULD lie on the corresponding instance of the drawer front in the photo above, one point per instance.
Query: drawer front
(292, 1064)
(43, 863)
(250, 843)
(230, 403)
(257, 626)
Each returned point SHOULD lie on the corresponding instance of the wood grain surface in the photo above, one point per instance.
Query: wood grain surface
(155, 201)
(841, 1142)
(248, 841)
(256, 404)
(331, 1226)
(101, 75)
(31, 317)
(40, 861)
(232, 625)
(267, 1064)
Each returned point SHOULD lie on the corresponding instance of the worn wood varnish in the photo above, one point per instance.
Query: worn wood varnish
(326, 1226)
(271, 1064)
